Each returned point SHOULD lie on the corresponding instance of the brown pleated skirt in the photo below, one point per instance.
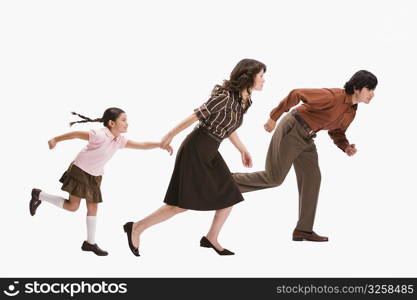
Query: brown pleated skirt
(201, 179)
(79, 183)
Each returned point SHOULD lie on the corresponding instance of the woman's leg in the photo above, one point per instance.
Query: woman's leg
(219, 219)
(161, 214)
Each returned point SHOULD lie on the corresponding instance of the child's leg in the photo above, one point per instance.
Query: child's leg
(72, 204)
(90, 244)
(91, 221)
(55, 200)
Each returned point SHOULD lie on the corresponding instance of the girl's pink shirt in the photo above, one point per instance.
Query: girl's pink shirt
(100, 148)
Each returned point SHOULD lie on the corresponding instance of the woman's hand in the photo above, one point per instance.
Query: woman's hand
(52, 143)
(270, 125)
(246, 159)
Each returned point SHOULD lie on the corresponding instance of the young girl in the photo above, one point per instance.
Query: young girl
(83, 178)
(201, 179)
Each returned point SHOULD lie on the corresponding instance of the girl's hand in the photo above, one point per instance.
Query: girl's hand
(52, 143)
(270, 125)
(166, 140)
(246, 159)
(169, 149)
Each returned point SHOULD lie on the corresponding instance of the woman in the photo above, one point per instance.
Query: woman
(201, 179)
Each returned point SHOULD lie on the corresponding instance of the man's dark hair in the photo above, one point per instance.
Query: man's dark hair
(360, 80)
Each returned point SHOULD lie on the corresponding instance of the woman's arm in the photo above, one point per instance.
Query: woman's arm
(166, 140)
(234, 138)
(145, 145)
(83, 135)
(246, 158)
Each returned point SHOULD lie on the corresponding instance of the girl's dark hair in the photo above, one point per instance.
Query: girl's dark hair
(360, 80)
(110, 114)
(243, 75)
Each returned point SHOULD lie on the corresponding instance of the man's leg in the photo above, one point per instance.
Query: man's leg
(307, 170)
(283, 149)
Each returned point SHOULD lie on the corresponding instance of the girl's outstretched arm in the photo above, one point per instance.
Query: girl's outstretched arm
(145, 145)
(83, 135)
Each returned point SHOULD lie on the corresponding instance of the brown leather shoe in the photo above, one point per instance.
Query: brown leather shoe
(93, 248)
(299, 235)
(34, 201)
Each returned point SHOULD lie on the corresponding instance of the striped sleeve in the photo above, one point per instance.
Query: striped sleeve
(216, 102)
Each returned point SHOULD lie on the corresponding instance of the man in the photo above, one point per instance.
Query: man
(292, 142)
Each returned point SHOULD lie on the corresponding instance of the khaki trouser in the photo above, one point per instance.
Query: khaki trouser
(289, 146)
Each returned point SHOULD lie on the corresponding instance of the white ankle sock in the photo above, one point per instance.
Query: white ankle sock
(55, 200)
(91, 229)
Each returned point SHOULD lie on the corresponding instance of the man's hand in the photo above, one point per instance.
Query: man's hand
(350, 150)
(270, 125)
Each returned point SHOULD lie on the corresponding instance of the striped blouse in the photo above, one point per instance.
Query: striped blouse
(222, 113)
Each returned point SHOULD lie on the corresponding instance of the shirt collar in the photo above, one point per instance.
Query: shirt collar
(248, 103)
(249, 100)
(110, 134)
(348, 99)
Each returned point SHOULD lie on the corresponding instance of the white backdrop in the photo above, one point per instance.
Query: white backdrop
(158, 60)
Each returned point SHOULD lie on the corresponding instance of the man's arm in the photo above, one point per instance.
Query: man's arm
(339, 138)
(316, 98)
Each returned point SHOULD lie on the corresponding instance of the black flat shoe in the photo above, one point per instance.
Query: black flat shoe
(93, 248)
(34, 201)
(128, 229)
(204, 242)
